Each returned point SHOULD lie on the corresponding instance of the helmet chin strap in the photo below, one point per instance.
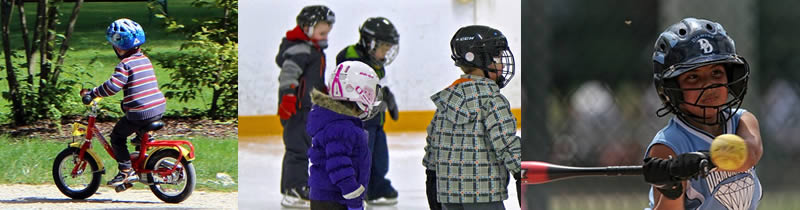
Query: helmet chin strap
(310, 30)
(116, 52)
(499, 80)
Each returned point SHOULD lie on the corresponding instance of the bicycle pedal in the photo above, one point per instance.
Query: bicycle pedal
(123, 187)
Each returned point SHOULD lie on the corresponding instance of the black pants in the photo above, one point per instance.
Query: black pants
(430, 190)
(296, 141)
(119, 138)
(327, 205)
(519, 193)
(379, 185)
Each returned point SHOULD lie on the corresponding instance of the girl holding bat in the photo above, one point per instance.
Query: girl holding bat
(702, 82)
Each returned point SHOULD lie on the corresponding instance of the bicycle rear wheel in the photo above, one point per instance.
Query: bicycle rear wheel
(176, 186)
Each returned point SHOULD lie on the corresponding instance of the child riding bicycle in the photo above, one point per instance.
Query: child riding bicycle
(143, 102)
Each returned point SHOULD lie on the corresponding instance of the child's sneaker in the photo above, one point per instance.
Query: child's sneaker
(388, 199)
(124, 176)
(296, 198)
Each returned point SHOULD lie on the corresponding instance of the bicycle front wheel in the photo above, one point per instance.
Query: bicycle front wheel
(84, 182)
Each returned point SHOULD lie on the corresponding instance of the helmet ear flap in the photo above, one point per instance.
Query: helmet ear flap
(659, 83)
(738, 76)
(482, 60)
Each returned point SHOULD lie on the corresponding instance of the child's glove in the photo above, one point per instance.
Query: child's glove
(656, 172)
(391, 104)
(288, 106)
(686, 166)
(690, 165)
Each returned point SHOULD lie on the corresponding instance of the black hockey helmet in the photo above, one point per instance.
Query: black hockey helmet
(377, 31)
(480, 46)
(311, 15)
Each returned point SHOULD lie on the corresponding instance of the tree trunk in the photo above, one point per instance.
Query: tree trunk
(214, 105)
(42, 30)
(25, 40)
(225, 18)
(13, 85)
(40, 11)
(65, 43)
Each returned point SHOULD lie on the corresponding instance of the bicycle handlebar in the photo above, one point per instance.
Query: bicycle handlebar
(87, 99)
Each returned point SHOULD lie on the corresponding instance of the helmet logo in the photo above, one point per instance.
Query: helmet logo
(705, 46)
(466, 38)
(469, 56)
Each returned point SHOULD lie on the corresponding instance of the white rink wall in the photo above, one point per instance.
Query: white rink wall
(422, 67)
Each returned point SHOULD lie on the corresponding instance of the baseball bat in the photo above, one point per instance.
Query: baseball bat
(537, 172)
(728, 152)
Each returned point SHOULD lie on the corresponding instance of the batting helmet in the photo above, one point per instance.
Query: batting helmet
(690, 44)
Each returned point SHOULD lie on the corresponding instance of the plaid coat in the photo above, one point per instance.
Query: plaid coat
(471, 142)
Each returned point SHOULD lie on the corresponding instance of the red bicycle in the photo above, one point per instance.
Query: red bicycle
(164, 165)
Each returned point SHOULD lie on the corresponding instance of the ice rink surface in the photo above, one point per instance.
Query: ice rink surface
(260, 166)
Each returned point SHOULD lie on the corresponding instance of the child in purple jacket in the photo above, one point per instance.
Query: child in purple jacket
(339, 154)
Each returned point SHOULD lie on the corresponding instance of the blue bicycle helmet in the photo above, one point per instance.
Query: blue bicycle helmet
(125, 34)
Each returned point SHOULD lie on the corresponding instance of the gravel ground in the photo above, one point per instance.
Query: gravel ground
(48, 197)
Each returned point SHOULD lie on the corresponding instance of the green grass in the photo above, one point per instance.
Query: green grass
(89, 48)
(30, 161)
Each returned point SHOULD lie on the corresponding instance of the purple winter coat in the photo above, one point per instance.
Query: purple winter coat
(339, 156)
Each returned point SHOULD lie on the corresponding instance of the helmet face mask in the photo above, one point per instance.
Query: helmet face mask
(691, 103)
(685, 47)
(383, 53)
(503, 64)
(484, 48)
(376, 35)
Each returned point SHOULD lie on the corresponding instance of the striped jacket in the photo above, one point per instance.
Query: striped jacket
(472, 143)
(135, 76)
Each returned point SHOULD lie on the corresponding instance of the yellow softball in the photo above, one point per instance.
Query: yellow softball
(728, 151)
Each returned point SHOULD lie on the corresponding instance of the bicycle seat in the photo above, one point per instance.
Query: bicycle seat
(154, 126)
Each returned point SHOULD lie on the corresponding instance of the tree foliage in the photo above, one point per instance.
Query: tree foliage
(208, 59)
(42, 95)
